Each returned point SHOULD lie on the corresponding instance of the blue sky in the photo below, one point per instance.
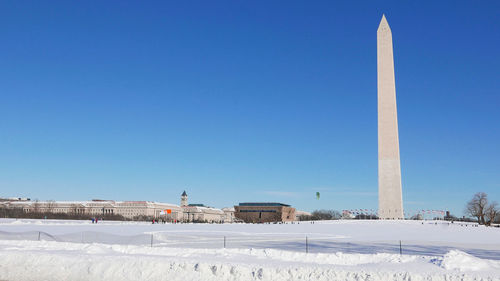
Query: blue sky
(238, 101)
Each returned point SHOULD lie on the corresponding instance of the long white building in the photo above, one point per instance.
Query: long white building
(127, 209)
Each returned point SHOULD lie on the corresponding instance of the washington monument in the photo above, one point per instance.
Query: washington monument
(390, 199)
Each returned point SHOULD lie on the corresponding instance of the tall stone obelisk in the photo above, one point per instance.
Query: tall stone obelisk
(390, 199)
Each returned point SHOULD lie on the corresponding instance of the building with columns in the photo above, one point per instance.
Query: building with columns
(202, 213)
(128, 209)
(96, 207)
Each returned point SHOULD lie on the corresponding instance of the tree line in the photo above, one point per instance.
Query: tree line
(332, 215)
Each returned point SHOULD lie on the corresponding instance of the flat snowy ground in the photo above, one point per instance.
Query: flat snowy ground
(337, 250)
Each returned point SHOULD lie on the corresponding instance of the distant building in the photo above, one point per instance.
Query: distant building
(128, 209)
(199, 212)
(14, 199)
(228, 214)
(264, 212)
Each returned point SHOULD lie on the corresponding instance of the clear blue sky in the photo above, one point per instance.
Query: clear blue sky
(246, 101)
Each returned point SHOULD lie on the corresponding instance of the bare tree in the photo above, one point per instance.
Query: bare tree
(51, 204)
(325, 215)
(476, 207)
(305, 217)
(491, 212)
(36, 206)
(73, 208)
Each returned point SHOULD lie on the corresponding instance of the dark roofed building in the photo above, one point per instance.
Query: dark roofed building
(264, 212)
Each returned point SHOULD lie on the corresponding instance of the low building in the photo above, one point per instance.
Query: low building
(201, 213)
(228, 214)
(168, 212)
(128, 209)
(258, 212)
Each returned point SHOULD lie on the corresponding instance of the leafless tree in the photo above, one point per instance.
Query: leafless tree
(491, 212)
(325, 215)
(476, 207)
(36, 206)
(51, 204)
(73, 208)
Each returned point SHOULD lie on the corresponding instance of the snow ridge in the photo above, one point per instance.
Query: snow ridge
(47, 260)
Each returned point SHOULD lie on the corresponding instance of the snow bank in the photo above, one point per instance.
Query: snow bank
(461, 261)
(338, 250)
(46, 260)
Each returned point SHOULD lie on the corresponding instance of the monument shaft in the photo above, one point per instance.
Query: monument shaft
(390, 198)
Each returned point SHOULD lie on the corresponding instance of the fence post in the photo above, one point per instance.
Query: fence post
(400, 249)
(307, 245)
(224, 241)
(151, 240)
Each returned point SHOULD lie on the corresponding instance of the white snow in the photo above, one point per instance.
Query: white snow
(338, 250)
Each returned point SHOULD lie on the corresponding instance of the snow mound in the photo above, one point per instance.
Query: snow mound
(341, 250)
(461, 261)
(50, 260)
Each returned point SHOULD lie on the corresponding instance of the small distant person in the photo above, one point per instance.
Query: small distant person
(96, 220)
(93, 220)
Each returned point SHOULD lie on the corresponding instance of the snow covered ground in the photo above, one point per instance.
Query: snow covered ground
(337, 250)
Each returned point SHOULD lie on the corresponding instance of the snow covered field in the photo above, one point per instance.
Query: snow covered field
(337, 250)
